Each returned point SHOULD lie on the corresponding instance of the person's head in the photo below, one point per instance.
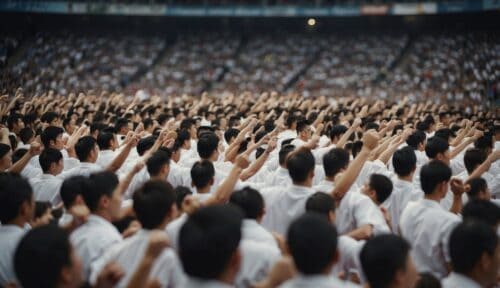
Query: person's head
(181, 192)
(158, 164)
(208, 145)
(434, 178)
(438, 149)
(336, 132)
(52, 137)
(378, 188)
(474, 251)
(86, 149)
(184, 139)
(18, 154)
(42, 215)
(478, 189)
(230, 135)
(482, 210)
(5, 157)
(202, 174)
(291, 122)
(154, 204)
(122, 126)
(427, 280)
(51, 161)
(15, 122)
(303, 130)
(484, 143)
(283, 154)
(250, 201)
(51, 118)
(472, 158)
(208, 243)
(107, 141)
(45, 258)
(300, 165)
(16, 199)
(335, 161)
(404, 161)
(27, 135)
(417, 140)
(312, 241)
(72, 190)
(145, 144)
(103, 197)
(148, 125)
(386, 262)
(444, 133)
(323, 204)
(444, 117)
(69, 125)
(189, 125)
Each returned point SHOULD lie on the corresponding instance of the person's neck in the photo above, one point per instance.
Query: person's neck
(407, 178)
(330, 178)
(433, 197)
(158, 177)
(103, 214)
(203, 190)
(18, 221)
(478, 277)
(306, 183)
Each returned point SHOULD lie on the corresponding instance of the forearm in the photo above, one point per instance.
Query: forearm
(362, 233)
(225, 189)
(351, 174)
(456, 206)
(119, 159)
(19, 166)
(255, 167)
(140, 277)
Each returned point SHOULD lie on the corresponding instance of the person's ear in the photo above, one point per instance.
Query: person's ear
(485, 262)
(311, 174)
(212, 181)
(236, 260)
(66, 276)
(104, 202)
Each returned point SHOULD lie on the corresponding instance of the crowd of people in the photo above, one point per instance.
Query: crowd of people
(445, 66)
(273, 190)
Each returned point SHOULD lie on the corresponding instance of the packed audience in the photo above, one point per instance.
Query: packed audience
(269, 190)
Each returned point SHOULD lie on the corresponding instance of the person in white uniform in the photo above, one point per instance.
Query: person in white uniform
(47, 186)
(426, 225)
(16, 210)
(312, 241)
(475, 256)
(387, 262)
(97, 235)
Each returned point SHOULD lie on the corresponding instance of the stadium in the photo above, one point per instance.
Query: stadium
(250, 143)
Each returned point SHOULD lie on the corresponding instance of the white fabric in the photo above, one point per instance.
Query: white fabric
(105, 158)
(349, 250)
(251, 230)
(283, 205)
(83, 169)
(93, 239)
(173, 230)
(427, 226)
(200, 283)
(456, 280)
(167, 268)
(10, 235)
(317, 281)
(258, 259)
(46, 187)
(402, 193)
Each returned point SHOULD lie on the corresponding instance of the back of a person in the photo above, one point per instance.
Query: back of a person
(402, 194)
(46, 188)
(258, 259)
(427, 227)
(10, 235)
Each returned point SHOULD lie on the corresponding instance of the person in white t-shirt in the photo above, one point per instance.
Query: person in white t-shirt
(387, 262)
(46, 186)
(379, 189)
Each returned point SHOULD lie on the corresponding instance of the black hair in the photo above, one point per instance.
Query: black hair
(231, 133)
(321, 203)
(50, 134)
(155, 163)
(40, 208)
(71, 188)
(416, 138)
(207, 144)
(382, 256)
(404, 161)
(284, 152)
(18, 154)
(100, 184)
(120, 123)
(482, 210)
(427, 280)
(313, 243)
(432, 174)
(201, 173)
(14, 191)
(49, 156)
(208, 239)
(104, 140)
(299, 164)
(145, 144)
(436, 145)
(152, 203)
(26, 134)
(12, 119)
(48, 117)
(472, 158)
(382, 186)
(250, 201)
(180, 193)
(84, 146)
(334, 161)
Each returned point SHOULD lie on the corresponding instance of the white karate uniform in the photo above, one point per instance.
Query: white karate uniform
(93, 239)
(10, 235)
(427, 226)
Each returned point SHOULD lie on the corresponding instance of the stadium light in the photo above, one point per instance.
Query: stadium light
(311, 22)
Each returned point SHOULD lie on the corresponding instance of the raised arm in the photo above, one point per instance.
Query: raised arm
(348, 133)
(19, 166)
(257, 164)
(122, 156)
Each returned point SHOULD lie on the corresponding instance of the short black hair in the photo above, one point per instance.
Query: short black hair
(301, 126)
(120, 123)
(49, 156)
(284, 152)
(313, 243)
(432, 174)
(40, 208)
(14, 191)
(250, 201)
(148, 122)
(208, 239)
(17, 155)
(382, 256)
(468, 242)
(41, 255)
(444, 133)
(104, 140)
(50, 134)
(84, 146)
(71, 188)
(180, 193)
(321, 203)
(159, 159)
(472, 158)
(183, 136)
(26, 134)
(49, 116)
(416, 138)
(231, 133)
(477, 185)
(484, 142)
(335, 160)
(207, 144)
(4, 149)
(435, 145)
(145, 144)
(201, 173)
(12, 119)
(100, 184)
(152, 203)
(299, 164)
(337, 131)
(404, 161)
(382, 186)
(427, 280)
(482, 210)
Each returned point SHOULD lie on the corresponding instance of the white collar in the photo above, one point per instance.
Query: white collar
(462, 279)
